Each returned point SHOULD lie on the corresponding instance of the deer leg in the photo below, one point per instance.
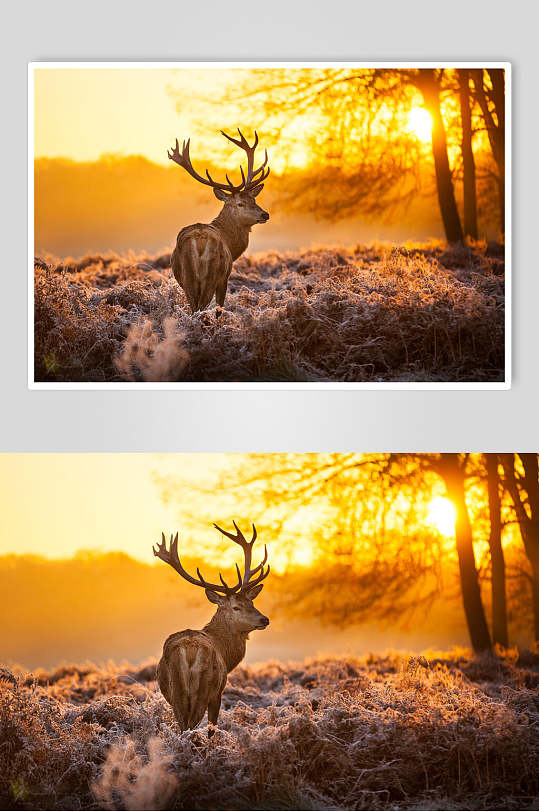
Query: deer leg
(224, 276)
(180, 719)
(214, 706)
(193, 304)
(220, 292)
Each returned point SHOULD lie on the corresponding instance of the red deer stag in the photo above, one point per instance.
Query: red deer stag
(204, 253)
(193, 669)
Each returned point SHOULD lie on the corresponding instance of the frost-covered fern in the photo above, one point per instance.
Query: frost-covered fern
(359, 314)
(437, 731)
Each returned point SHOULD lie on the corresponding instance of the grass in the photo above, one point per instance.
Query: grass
(441, 731)
(414, 313)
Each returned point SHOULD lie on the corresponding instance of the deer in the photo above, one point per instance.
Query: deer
(193, 669)
(202, 258)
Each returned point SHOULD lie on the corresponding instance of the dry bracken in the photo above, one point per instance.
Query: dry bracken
(440, 731)
(422, 313)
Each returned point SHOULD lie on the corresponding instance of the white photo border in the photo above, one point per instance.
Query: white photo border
(285, 386)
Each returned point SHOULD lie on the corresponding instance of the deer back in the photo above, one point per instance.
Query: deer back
(190, 672)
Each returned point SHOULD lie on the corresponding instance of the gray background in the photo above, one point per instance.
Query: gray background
(270, 420)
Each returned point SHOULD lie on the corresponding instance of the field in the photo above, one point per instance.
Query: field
(414, 313)
(441, 731)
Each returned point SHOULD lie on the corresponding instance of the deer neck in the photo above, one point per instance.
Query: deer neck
(234, 234)
(230, 644)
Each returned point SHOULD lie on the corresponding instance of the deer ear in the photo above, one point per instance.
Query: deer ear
(220, 194)
(256, 590)
(214, 597)
(256, 191)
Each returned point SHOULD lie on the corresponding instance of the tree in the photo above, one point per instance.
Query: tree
(365, 161)
(377, 561)
(491, 100)
(498, 591)
(372, 554)
(451, 468)
(468, 161)
(522, 481)
(428, 82)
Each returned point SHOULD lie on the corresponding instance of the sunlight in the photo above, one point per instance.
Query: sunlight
(441, 515)
(302, 557)
(281, 561)
(420, 124)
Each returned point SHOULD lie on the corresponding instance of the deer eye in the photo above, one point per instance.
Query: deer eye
(236, 608)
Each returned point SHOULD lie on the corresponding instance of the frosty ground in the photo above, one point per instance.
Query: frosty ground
(412, 313)
(440, 731)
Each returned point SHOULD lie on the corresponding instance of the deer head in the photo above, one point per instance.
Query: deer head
(235, 603)
(239, 200)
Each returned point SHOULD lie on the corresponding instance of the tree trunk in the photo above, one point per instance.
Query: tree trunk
(427, 83)
(495, 129)
(534, 562)
(531, 483)
(468, 163)
(498, 95)
(499, 600)
(527, 516)
(453, 475)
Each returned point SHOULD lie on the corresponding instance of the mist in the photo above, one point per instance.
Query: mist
(124, 204)
(102, 606)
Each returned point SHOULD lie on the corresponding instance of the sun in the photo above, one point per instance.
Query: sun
(420, 124)
(441, 515)
(301, 556)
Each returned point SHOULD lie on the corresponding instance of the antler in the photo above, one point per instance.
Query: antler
(183, 159)
(172, 558)
(247, 547)
(253, 178)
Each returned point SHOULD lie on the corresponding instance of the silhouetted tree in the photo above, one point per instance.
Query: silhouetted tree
(364, 160)
(499, 600)
(428, 82)
(491, 100)
(468, 161)
(523, 486)
(370, 569)
(451, 468)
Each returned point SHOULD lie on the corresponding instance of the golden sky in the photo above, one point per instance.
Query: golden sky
(56, 504)
(84, 113)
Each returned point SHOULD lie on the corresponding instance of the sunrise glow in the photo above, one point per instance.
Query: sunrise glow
(420, 124)
(441, 515)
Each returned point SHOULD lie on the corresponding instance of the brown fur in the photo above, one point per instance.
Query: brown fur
(191, 675)
(193, 669)
(204, 253)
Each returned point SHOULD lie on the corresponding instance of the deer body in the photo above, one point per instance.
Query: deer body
(192, 671)
(201, 263)
(192, 676)
(204, 253)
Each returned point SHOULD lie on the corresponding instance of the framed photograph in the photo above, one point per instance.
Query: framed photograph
(272, 225)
